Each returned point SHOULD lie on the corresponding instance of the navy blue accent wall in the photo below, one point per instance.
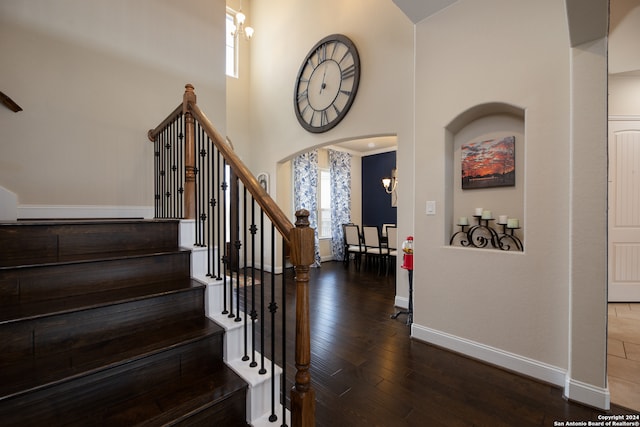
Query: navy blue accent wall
(376, 203)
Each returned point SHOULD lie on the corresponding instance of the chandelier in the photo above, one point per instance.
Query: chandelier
(239, 28)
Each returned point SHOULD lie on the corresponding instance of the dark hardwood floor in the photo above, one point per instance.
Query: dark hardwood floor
(367, 371)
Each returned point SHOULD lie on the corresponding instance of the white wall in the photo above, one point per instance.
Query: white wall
(285, 32)
(542, 312)
(92, 78)
(8, 205)
(624, 94)
(509, 308)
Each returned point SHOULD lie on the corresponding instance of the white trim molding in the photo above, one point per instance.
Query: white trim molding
(587, 394)
(83, 211)
(8, 205)
(577, 391)
(495, 356)
(624, 118)
(402, 302)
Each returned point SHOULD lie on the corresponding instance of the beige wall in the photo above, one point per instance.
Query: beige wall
(285, 32)
(383, 36)
(513, 308)
(502, 295)
(92, 78)
(624, 94)
(541, 312)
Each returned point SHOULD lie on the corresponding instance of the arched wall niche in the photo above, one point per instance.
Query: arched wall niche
(493, 121)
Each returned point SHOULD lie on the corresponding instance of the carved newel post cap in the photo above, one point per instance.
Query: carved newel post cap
(302, 218)
(189, 97)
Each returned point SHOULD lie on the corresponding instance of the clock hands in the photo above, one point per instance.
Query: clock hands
(323, 85)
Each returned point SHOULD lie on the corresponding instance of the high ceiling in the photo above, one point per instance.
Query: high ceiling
(624, 37)
(416, 11)
(587, 21)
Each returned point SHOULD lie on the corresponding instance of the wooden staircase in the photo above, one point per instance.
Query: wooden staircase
(101, 324)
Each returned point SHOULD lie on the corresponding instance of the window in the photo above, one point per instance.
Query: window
(231, 50)
(324, 204)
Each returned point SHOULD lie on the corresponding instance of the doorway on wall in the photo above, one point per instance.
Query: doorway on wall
(623, 326)
(357, 147)
(624, 212)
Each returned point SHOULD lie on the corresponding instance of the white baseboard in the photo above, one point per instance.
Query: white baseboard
(402, 302)
(577, 391)
(83, 211)
(495, 356)
(8, 205)
(587, 394)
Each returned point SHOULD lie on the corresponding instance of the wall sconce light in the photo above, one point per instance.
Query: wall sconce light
(390, 183)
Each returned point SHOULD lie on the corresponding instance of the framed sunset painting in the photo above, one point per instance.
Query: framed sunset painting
(490, 163)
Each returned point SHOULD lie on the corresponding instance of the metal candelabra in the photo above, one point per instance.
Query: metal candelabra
(482, 234)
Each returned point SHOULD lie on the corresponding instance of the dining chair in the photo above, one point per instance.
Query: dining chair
(392, 246)
(372, 245)
(383, 233)
(352, 244)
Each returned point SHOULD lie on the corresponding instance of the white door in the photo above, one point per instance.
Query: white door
(624, 210)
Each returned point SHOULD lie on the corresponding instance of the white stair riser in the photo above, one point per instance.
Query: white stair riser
(260, 386)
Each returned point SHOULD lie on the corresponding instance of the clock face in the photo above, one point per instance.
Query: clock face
(327, 83)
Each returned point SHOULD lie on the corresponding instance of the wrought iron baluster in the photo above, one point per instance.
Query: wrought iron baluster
(181, 166)
(273, 308)
(262, 370)
(167, 172)
(210, 202)
(196, 171)
(235, 235)
(225, 258)
(218, 204)
(254, 313)
(203, 187)
(244, 272)
(174, 169)
(156, 177)
(161, 173)
(283, 382)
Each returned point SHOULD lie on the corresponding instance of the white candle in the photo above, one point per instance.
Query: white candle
(463, 221)
(513, 223)
(478, 212)
(502, 219)
(486, 214)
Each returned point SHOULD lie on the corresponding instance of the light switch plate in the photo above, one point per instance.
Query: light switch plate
(431, 207)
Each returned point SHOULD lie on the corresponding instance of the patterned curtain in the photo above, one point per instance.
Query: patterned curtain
(305, 189)
(340, 170)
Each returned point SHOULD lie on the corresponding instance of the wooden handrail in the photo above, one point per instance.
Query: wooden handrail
(271, 209)
(170, 118)
(299, 238)
(190, 108)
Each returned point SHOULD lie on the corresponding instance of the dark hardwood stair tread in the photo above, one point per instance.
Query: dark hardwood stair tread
(40, 261)
(48, 370)
(102, 325)
(108, 403)
(13, 312)
(193, 395)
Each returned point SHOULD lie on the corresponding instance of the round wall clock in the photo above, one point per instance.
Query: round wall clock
(327, 83)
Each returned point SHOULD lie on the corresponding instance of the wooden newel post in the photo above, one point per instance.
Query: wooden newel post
(303, 399)
(190, 154)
